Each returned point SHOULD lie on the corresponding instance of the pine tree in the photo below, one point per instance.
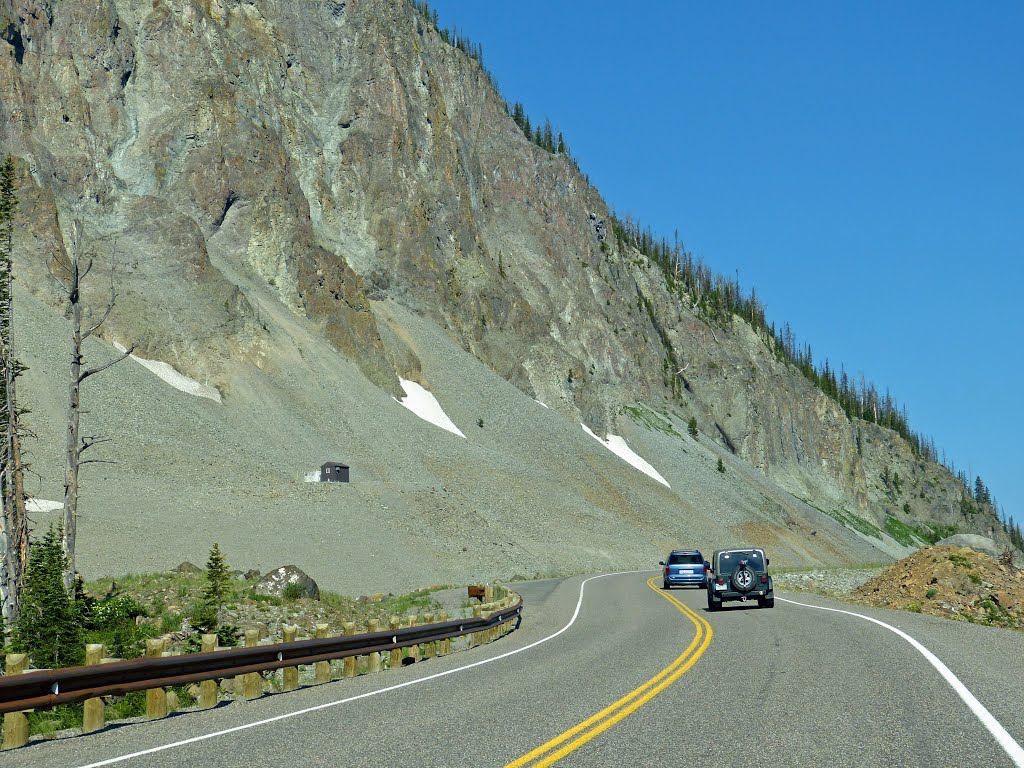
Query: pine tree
(721, 466)
(691, 426)
(562, 149)
(50, 627)
(217, 579)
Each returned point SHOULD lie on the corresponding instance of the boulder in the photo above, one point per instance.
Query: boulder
(187, 567)
(981, 544)
(274, 582)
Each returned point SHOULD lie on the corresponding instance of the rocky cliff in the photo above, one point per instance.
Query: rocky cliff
(240, 165)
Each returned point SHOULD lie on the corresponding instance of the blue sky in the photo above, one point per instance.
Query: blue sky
(861, 165)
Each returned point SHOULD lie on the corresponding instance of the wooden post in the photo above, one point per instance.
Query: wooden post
(373, 663)
(291, 674)
(444, 647)
(349, 662)
(93, 715)
(395, 660)
(252, 685)
(475, 637)
(156, 698)
(322, 669)
(488, 593)
(16, 723)
(208, 688)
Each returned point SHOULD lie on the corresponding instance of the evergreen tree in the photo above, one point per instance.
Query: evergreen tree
(562, 149)
(721, 466)
(217, 579)
(50, 627)
(691, 426)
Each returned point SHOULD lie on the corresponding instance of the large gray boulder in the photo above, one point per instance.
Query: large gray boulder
(978, 543)
(276, 581)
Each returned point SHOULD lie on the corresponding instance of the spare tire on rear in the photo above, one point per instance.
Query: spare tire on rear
(743, 579)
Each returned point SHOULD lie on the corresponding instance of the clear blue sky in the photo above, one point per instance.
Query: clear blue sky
(860, 164)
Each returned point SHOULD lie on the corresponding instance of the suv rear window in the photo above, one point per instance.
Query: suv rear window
(729, 561)
(680, 558)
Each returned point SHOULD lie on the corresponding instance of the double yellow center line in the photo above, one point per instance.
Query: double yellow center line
(578, 735)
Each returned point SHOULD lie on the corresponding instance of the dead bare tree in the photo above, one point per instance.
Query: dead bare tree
(70, 277)
(13, 520)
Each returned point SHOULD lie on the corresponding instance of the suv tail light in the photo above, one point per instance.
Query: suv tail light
(764, 579)
(720, 580)
(666, 570)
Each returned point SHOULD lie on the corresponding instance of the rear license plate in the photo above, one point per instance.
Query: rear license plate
(720, 587)
(687, 571)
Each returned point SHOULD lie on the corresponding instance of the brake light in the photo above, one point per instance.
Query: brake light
(764, 579)
(666, 570)
(720, 580)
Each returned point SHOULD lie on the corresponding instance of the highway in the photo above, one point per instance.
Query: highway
(611, 671)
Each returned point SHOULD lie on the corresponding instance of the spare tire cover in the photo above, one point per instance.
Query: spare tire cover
(743, 579)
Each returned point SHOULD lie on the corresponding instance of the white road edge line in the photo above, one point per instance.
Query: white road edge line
(1006, 741)
(307, 710)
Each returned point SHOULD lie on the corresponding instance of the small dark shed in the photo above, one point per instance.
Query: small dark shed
(333, 472)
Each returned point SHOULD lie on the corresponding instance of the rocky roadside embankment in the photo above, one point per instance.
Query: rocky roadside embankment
(840, 581)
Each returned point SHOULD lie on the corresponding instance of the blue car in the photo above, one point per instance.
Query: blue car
(685, 567)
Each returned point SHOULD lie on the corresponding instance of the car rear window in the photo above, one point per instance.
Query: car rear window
(729, 561)
(681, 558)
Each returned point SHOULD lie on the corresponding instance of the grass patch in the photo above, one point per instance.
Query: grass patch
(903, 533)
(961, 561)
(645, 417)
(935, 533)
(850, 520)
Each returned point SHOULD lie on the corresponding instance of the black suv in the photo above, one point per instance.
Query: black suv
(740, 574)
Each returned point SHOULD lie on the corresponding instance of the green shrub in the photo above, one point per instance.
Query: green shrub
(931, 593)
(960, 561)
(292, 592)
(914, 607)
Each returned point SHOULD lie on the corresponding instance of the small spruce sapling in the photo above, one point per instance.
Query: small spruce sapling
(721, 466)
(691, 427)
(217, 579)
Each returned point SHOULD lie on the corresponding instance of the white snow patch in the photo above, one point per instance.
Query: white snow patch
(618, 446)
(42, 505)
(425, 405)
(174, 377)
(538, 402)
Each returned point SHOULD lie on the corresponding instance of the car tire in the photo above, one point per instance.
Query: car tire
(713, 605)
(664, 585)
(743, 579)
(766, 602)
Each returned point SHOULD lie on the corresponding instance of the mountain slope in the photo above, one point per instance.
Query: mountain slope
(303, 204)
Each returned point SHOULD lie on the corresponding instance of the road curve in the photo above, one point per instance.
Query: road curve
(791, 686)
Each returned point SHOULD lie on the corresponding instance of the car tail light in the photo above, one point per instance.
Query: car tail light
(666, 570)
(764, 579)
(720, 580)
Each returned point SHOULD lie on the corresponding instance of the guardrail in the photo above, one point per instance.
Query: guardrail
(42, 689)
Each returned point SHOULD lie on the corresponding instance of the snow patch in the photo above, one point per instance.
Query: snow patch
(42, 505)
(618, 446)
(538, 402)
(174, 377)
(425, 405)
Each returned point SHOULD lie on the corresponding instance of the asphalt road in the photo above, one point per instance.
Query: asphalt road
(789, 686)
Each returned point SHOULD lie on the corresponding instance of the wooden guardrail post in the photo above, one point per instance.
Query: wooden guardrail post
(93, 715)
(395, 661)
(252, 683)
(321, 669)
(156, 698)
(291, 674)
(16, 723)
(429, 649)
(373, 661)
(208, 688)
(474, 637)
(348, 666)
(445, 646)
(488, 593)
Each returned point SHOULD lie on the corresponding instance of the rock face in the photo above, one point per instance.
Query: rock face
(243, 165)
(278, 580)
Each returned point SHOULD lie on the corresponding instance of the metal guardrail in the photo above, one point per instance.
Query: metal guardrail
(46, 688)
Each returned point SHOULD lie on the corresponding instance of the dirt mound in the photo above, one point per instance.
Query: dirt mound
(954, 582)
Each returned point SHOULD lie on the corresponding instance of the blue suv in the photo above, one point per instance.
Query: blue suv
(685, 567)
